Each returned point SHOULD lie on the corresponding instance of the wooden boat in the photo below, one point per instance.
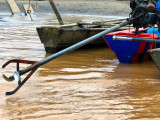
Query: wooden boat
(155, 54)
(59, 37)
(131, 51)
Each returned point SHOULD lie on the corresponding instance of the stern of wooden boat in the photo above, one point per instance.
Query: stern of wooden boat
(155, 54)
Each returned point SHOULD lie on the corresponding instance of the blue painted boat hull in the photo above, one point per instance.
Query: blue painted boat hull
(130, 51)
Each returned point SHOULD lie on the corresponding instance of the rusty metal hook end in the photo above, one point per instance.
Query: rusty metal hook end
(15, 76)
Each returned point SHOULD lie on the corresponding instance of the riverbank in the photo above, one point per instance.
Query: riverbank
(83, 7)
(93, 7)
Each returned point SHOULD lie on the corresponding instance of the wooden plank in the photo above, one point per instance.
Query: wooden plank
(98, 24)
(26, 7)
(112, 20)
(106, 24)
(94, 23)
(13, 6)
(56, 12)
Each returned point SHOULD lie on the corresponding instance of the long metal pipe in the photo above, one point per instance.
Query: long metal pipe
(135, 39)
(74, 47)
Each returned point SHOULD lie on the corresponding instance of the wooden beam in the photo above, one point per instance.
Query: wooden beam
(14, 7)
(56, 12)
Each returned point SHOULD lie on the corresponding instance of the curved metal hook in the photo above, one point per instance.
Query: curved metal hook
(9, 79)
(15, 76)
(20, 83)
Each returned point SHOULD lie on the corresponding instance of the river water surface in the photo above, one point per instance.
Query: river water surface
(86, 84)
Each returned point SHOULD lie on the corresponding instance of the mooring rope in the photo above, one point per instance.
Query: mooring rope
(29, 11)
(153, 36)
(29, 4)
(36, 5)
(129, 23)
(152, 44)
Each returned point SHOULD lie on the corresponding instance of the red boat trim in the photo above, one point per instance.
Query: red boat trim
(151, 45)
(107, 44)
(141, 47)
(135, 58)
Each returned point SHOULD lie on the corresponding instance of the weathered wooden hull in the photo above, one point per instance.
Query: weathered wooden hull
(59, 37)
(56, 38)
(155, 54)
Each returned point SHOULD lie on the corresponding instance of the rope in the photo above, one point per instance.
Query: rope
(29, 11)
(36, 5)
(129, 23)
(29, 4)
(153, 36)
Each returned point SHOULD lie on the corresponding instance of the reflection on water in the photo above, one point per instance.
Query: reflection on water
(85, 84)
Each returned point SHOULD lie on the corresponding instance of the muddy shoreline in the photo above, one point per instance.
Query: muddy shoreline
(94, 7)
(83, 7)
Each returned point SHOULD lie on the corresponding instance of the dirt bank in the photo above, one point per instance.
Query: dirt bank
(85, 7)
(93, 7)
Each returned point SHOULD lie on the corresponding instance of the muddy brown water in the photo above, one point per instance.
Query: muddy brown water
(86, 84)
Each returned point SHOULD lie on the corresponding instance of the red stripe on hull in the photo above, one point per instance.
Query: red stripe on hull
(151, 46)
(141, 47)
(107, 44)
(135, 58)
